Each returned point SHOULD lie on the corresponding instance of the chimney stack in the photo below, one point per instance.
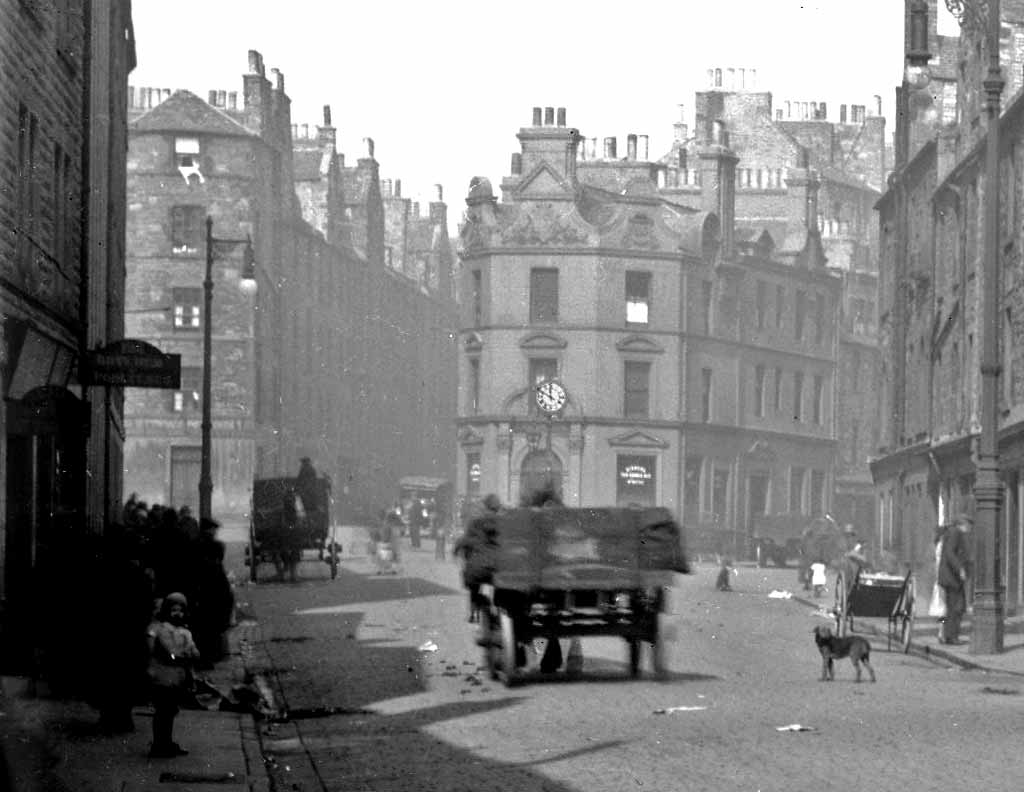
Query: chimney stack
(609, 148)
(278, 79)
(327, 115)
(398, 188)
(385, 188)
(561, 116)
(631, 147)
(368, 143)
(438, 193)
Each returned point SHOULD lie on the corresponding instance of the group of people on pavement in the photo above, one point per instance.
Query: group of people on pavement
(166, 604)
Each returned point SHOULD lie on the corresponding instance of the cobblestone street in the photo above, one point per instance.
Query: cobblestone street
(369, 711)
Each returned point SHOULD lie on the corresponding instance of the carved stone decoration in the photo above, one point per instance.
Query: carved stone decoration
(640, 233)
(475, 235)
(541, 225)
(504, 437)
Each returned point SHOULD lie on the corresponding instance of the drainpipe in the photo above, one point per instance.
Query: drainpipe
(83, 244)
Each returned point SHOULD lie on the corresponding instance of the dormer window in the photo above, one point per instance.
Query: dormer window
(186, 158)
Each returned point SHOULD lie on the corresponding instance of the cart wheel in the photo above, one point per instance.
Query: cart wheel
(492, 660)
(839, 609)
(634, 657)
(508, 673)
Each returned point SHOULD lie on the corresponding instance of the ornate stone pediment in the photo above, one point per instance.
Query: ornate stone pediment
(637, 439)
(542, 224)
(542, 341)
(638, 343)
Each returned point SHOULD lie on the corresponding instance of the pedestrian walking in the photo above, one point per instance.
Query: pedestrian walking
(725, 569)
(171, 655)
(818, 577)
(954, 571)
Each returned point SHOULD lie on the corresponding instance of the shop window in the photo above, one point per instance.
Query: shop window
(636, 480)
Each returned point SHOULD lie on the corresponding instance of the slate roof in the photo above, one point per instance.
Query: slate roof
(183, 111)
(306, 163)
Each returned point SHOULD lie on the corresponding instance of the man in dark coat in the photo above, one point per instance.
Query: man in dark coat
(954, 569)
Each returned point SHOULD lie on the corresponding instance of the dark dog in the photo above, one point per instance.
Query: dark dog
(834, 648)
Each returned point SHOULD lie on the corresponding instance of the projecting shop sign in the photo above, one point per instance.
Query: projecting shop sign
(131, 363)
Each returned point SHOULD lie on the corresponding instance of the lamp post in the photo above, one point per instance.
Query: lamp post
(248, 284)
(987, 633)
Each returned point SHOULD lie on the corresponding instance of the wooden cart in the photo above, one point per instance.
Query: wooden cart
(878, 596)
(280, 534)
(571, 573)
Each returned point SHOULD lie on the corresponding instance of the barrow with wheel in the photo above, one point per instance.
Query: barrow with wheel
(876, 596)
(282, 526)
(571, 573)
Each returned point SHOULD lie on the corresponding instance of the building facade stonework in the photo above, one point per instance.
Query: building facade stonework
(62, 198)
(932, 249)
(698, 373)
(337, 356)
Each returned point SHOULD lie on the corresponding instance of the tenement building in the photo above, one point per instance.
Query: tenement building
(931, 264)
(62, 198)
(346, 351)
(847, 152)
(618, 341)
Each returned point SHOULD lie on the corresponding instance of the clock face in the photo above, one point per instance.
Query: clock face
(550, 396)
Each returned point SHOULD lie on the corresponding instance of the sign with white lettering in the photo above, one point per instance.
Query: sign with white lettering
(131, 363)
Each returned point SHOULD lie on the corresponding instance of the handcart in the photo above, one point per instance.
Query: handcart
(880, 596)
(281, 530)
(569, 573)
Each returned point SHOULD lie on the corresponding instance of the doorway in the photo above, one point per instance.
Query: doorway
(540, 469)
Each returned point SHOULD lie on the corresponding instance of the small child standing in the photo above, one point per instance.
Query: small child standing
(818, 578)
(722, 583)
(171, 655)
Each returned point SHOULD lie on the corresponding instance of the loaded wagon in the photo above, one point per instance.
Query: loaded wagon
(554, 573)
(282, 526)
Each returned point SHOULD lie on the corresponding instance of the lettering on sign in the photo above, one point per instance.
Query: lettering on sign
(635, 475)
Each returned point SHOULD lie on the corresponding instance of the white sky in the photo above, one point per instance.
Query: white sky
(442, 87)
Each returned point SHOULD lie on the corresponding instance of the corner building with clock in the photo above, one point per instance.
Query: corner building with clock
(619, 338)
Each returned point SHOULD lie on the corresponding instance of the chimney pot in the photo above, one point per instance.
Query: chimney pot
(517, 163)
(385, 188)
(305, 131)
(536, 116)
(211, 98)
(222, 98)
(368, 141)
(609, 148)
(327, 115)
(561, 116)
(278, 79)
(232, 100)
(549, 116)
(753, 79)
(438, 193)
(631, 147)
(398, 188)
(642, 143)
(255, 62)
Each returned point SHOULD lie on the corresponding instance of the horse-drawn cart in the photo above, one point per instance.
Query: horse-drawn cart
(569, 573)
(283, 525)
(876, 595)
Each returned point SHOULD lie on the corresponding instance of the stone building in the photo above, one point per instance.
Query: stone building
(337, 357)
(698, 371)
(62, 188)
(776, 141)
(931, 264)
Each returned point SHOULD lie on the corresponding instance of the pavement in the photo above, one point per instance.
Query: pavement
(51, 744)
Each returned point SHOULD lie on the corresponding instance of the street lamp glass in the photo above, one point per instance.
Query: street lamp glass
(247, 285)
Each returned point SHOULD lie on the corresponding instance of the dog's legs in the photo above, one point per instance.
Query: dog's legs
(871, 671)
(824, 669)
(856, 665)
(831, 670)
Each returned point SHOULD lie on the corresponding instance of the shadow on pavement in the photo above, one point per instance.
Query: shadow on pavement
(397, 752)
